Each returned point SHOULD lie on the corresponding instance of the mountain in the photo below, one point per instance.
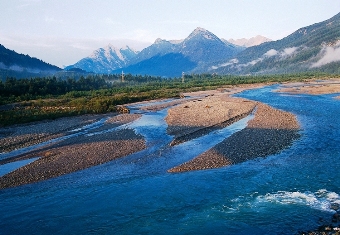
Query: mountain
(171, 58)
(168, 65)
(158, 48)
(105, 60)
(254, 41)
(205, 47)
(13, 64)
(201, 46)
(162, 58)
(312, 48)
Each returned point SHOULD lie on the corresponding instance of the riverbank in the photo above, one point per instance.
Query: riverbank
(23, 135)
(268, 133)
(76, 153)
(318, 87)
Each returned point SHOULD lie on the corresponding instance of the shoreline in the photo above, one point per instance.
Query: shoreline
(76, 153)
(23, 135)
(319, 87)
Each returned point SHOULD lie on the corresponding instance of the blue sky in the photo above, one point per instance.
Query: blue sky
(61, 32)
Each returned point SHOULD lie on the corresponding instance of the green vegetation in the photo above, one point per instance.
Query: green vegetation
(26, 100)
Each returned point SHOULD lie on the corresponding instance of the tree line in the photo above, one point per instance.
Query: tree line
(48, 98)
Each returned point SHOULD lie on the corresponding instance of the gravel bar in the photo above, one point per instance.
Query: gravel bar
(76, 154)
(268, 133)
(199, 117)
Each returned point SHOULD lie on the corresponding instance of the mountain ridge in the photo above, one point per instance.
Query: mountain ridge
(105, 60)
(312, 48)
(13, 64)
(200, 47)
(254, 41)
(297, 52)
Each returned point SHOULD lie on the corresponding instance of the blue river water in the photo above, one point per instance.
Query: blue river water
(280, 194)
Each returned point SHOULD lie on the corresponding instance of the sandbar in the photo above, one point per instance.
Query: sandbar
(270, 132)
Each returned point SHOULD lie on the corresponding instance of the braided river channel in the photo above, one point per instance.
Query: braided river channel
(281, 194)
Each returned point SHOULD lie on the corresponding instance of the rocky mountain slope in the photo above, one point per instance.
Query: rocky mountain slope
(162, 58)
(171, 58)
(312, 48)
(105, 60)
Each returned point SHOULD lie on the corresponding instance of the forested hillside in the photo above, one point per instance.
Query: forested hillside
(13, 64)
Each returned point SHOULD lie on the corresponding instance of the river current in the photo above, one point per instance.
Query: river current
(281, 194)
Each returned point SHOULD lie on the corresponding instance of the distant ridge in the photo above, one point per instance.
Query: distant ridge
(13, 64)
(311, 48)
(105, 60)
(163, 57)
(254, 41)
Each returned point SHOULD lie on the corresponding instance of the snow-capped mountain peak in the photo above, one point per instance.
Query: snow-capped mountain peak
(159, 40)
(106, 59)
(254, 41)
(176, 41)
(202, 33)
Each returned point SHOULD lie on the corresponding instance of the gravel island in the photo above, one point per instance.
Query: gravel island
(268, 133)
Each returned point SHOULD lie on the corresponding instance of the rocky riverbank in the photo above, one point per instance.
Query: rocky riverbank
(19, 136)
(330, 86)
(268, 133)
(77, 153)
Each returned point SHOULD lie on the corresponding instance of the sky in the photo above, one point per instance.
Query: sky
(61, 32)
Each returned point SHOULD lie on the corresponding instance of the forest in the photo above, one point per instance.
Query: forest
(34, 99)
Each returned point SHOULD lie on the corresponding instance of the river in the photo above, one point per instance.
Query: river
(281, 194)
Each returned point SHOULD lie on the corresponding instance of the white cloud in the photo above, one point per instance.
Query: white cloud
(254, 61)
(329, 54)
(271, 53)
(230, 62)
(288, 51)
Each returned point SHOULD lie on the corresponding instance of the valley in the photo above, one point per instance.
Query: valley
(254, 160)
(194, 135)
